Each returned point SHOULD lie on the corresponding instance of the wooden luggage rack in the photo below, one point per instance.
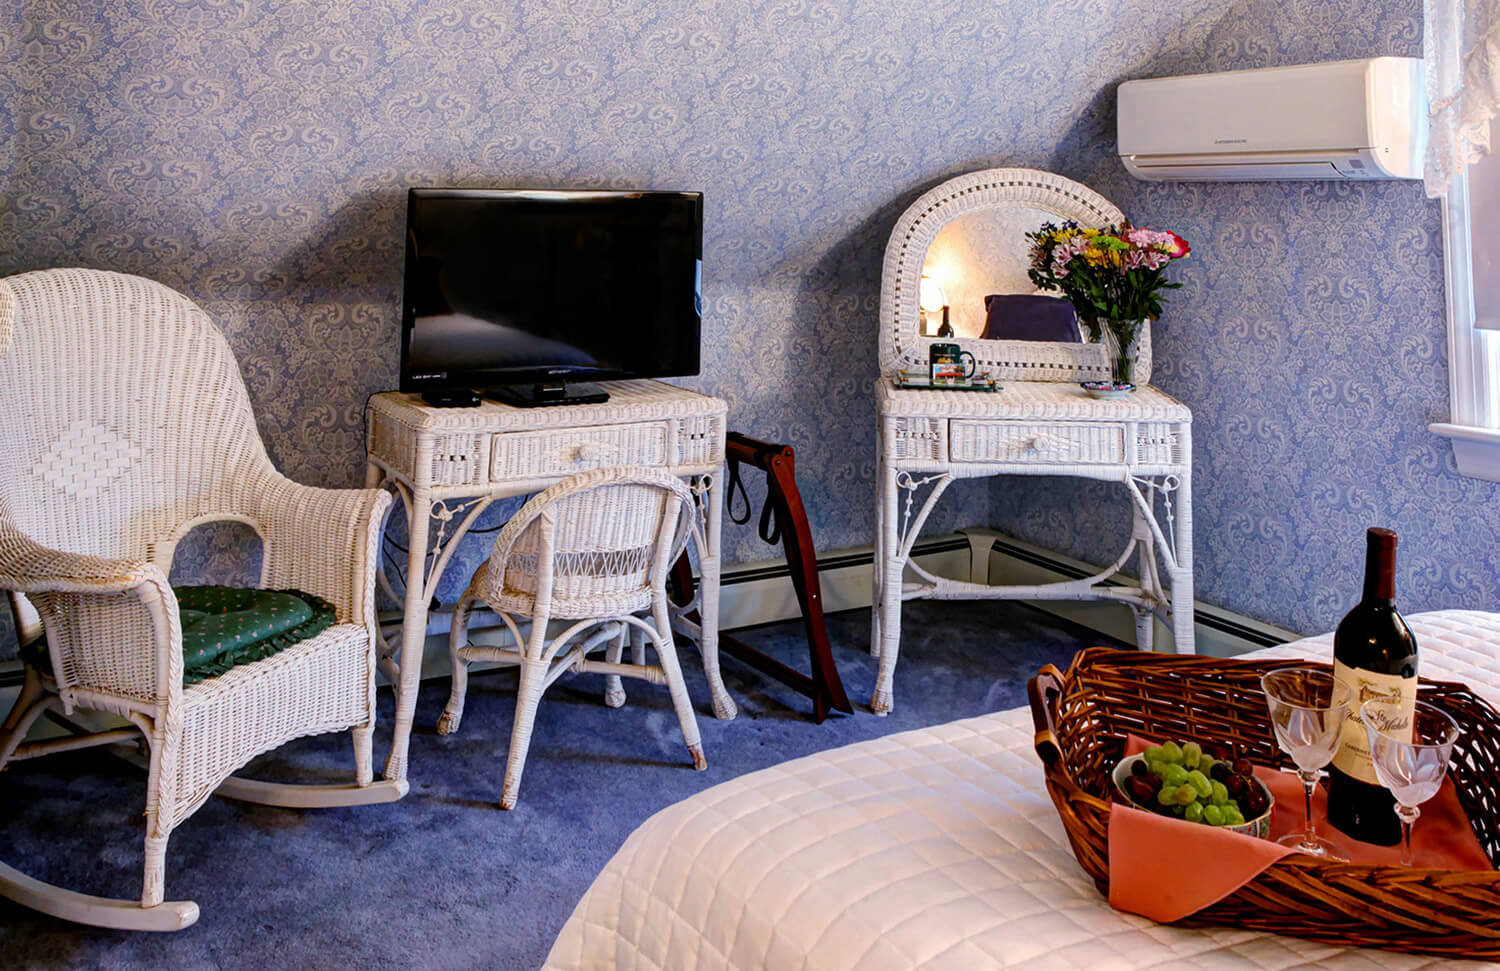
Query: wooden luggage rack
(784, 520)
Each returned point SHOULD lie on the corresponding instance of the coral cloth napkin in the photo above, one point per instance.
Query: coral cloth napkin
(1147, 875)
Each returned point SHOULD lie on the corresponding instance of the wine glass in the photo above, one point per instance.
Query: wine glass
(1410, 754)
(1308, 708)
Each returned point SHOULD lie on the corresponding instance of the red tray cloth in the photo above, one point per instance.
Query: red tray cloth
(1167, 869)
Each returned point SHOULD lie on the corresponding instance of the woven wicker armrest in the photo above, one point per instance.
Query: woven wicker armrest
(90, 605)
(27, 566)
(324, 542)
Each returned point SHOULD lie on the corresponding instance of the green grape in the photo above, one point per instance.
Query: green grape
(1201, 783)
(1213, 815)
(1171, 752)
(1167, 796)
(1186, 794)
(1157, 767)
(1193, 813)
(1220, 795)
(1155, 754)
(1192, 754)
(1173, 774)
(1233, 817)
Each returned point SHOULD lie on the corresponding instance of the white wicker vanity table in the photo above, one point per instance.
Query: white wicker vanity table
(968, 233)
(448, 465)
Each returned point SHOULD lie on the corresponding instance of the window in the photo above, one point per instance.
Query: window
(1471, 248)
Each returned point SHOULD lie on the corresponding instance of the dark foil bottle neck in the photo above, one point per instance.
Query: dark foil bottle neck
(1380, 566)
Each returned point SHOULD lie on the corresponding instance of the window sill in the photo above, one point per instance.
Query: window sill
(1477, 450)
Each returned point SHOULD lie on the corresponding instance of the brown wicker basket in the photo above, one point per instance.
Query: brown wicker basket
(1082, 718)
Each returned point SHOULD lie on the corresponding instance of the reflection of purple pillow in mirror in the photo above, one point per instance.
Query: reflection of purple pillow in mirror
(1029, 317)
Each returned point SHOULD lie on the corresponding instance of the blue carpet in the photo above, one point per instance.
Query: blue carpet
(444, 879)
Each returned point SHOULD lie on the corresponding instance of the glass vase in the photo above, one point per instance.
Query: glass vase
(1119, 344)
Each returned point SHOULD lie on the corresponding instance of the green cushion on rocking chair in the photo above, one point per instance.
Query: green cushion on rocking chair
(226, 626)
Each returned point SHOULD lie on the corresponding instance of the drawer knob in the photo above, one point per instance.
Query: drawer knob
(592, 452)
(1043, 442)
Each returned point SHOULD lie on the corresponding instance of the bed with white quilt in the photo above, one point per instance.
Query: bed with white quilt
(936, 848)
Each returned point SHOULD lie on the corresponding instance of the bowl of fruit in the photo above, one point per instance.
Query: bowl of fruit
(1180, 779)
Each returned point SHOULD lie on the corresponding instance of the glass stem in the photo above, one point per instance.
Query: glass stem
(1309, 781)
(1408, 816)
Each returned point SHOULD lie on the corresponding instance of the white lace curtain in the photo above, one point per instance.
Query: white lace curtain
(1461, 47)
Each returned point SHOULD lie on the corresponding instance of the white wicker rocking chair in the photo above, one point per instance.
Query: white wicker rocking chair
(128, 425)
(595, 549)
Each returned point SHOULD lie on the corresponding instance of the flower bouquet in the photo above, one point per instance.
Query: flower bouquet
(1112, 276)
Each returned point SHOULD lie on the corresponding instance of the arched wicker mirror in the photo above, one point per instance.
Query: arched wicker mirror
(967, 237)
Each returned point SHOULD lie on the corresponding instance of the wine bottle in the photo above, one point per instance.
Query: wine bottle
(1375, 654)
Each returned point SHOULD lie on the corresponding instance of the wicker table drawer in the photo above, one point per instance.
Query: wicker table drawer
(565, 451)
(1063, 442)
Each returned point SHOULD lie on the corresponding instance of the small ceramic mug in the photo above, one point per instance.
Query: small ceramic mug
(950, 363)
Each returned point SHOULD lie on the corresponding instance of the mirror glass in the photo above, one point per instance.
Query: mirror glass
(979, 254)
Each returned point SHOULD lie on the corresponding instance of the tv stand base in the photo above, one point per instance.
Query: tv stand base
(460, 398)
(539, 395)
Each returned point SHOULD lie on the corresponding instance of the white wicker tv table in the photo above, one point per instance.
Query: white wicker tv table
(449, 464)
(929, 439)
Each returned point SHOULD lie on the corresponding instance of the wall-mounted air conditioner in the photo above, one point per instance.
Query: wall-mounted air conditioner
(1364, 119)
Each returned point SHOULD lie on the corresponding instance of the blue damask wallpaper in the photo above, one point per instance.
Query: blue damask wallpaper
(256, 155)
(1309, 339)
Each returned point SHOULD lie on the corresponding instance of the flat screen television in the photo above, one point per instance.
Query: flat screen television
(527, 295)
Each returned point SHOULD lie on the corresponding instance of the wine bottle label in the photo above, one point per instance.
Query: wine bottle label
(1353, 756)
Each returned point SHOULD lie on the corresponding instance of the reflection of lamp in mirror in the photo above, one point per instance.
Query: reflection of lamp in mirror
(931, 298)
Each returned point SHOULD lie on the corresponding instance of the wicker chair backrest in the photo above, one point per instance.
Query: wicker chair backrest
(127, 419)
(599, 534)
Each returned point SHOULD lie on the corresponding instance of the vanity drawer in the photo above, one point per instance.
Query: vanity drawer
(565, 451)
(1056, 443)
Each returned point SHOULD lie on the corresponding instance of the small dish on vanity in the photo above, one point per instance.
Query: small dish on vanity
(1107, 390)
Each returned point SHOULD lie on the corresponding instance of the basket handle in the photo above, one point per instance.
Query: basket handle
(1043, 691)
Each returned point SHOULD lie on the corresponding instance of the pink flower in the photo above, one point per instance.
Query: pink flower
(1169, 243)
(1065, 252)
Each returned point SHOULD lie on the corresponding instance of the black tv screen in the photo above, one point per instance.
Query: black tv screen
(519, 286)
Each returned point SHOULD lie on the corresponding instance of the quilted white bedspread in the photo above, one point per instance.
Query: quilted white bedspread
(936, 848)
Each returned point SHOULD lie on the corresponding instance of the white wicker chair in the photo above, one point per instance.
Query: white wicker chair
(127, 425)
(594, 549)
